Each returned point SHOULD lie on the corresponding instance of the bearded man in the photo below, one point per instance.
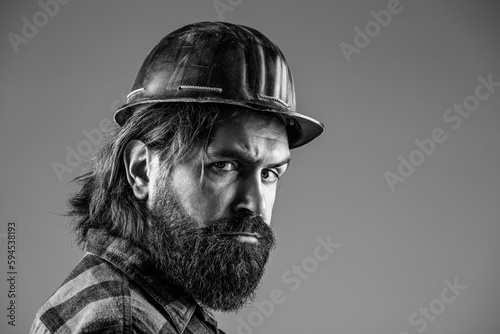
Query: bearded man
(175, 213)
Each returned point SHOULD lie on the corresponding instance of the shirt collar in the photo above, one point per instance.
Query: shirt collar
(136, 263)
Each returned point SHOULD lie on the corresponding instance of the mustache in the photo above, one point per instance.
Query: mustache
(240, 224)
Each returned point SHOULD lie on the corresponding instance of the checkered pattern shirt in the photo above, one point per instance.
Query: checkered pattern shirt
(115, 289)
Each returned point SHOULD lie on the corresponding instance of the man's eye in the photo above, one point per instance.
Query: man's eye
(225, 166)
(270, 176)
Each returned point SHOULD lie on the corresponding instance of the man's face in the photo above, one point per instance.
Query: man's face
(210, 219)
(244, 162)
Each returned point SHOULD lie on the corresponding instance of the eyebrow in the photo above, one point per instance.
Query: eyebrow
(235, 154)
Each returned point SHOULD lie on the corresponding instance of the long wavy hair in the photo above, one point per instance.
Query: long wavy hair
(105, 199)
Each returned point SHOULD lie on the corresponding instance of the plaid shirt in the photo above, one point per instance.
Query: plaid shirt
(115, 289)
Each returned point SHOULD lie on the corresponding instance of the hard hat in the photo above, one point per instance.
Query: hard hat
(219, 62)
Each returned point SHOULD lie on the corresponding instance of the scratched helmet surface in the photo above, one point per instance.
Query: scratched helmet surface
(219, 62)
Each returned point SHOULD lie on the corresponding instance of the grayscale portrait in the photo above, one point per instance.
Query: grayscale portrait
(250, 167)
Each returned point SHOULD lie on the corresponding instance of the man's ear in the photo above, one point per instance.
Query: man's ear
(137, 159)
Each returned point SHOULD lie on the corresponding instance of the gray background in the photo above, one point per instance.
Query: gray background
(396, 247)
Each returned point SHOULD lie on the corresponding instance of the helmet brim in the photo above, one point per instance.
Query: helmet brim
(301, 129)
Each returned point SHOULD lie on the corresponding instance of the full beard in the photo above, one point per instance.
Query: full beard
(218, 271)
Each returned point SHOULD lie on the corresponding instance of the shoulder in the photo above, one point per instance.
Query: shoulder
(147, 316)
(94, 298)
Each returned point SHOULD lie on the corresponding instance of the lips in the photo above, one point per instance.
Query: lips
(243, 234)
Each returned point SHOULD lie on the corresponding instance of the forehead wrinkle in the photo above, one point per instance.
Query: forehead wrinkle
(250, 138)
(270, 149)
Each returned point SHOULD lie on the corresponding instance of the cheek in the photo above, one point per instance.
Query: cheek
(214, 200)
(184, 185)
(270, 199)
(203, 201)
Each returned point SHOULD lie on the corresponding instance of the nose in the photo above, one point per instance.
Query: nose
(251, 198)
